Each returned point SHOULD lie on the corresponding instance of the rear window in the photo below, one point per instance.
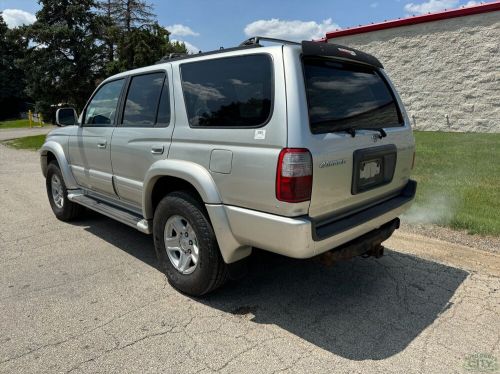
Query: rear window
(142, 100)
(347, 96)
(228, 92)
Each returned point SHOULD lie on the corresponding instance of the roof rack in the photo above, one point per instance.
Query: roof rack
(253, 42)
(171, 56)
(309, 48)
(181, 56)
(256, 39)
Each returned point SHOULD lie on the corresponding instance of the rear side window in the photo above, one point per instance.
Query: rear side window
(143, 101)
(344, 96)
(228, 92)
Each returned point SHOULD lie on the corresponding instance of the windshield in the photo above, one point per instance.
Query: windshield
(342, 96)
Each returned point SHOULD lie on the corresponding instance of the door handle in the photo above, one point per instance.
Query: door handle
(157, 149)
(102, 145)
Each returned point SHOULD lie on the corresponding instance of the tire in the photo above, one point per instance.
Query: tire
(176, 218)
(67, 210)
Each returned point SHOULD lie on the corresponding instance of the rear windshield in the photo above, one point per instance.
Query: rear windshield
(344, 96)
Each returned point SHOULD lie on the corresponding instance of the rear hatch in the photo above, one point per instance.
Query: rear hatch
(362, 150)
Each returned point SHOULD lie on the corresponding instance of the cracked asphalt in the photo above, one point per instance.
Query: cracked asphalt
(87, 297)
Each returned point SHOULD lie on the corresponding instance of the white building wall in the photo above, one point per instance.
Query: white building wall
(447, 72)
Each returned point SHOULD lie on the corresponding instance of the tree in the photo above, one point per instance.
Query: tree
(110, 30)
(135, 37)
(145, 46)
(12, 79)
(131, 14)
(65, 60)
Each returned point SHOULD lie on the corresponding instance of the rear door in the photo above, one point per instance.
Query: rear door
(144, 132)
(354, 162)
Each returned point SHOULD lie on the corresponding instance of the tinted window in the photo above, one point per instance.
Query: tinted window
(341, 95)
(101, 110)
(142, 100)
(234, 91)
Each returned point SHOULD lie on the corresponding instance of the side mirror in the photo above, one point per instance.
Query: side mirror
(66, 117)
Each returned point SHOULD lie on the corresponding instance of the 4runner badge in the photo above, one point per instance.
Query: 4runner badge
(327, 164)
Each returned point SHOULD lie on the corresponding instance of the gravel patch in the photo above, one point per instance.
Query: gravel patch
(485, 243)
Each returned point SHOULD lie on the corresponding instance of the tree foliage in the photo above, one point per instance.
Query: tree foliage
(136, 39)
(12, 79)
(75, 44)
(64, 61)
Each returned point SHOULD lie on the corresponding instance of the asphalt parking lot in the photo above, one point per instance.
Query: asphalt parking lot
(88, 297)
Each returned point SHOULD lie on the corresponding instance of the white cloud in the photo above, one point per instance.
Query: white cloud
(472, 3)
(294, 30)
(374, 5)
(190, 47)
(181, 30)
(430, 6)
(17, 17)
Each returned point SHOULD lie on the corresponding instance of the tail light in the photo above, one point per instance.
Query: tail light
(294, 175)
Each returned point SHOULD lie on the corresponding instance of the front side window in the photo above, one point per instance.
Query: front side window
(344, 96)
(101, 110)
(145, 101)
(228, 92)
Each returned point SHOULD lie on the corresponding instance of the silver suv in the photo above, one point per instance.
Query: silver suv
(294, 148)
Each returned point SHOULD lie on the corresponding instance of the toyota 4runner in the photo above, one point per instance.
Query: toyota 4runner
(294, 148)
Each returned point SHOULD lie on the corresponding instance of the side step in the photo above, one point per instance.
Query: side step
(111, 211)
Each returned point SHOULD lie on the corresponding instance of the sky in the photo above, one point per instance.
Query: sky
(211, 24)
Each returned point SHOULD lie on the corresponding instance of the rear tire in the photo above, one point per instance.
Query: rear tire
(186, 246)
(63, 209)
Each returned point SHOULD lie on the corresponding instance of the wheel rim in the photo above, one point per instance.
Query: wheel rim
(57, 191)
(181, 244)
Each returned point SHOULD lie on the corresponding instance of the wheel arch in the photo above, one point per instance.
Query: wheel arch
(172, 175)
(51, 151)
(168, 175)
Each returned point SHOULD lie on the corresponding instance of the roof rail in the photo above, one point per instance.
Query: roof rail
(181, 56)
(171, 56)
(256, 39)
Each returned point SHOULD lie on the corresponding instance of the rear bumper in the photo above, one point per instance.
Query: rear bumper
(302, 237)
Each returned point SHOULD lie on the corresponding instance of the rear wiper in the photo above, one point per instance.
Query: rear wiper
(352, 131)
(382, 132)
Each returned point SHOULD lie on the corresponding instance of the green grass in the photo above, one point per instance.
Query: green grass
(459, 181)
(16, 124)
(28, 142)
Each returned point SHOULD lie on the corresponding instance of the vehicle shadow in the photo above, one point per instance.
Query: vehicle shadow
(121, 236)
(363, 309)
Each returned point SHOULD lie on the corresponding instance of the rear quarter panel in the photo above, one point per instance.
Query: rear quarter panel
(247, 177)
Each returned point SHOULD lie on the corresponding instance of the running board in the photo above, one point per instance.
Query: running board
(111, 211)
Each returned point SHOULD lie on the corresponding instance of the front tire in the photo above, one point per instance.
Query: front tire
(63, 209)
(186, 246)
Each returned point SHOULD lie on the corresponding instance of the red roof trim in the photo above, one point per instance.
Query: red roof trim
(465, 11)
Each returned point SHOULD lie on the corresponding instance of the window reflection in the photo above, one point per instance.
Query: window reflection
(347, 95)
(234, 91)
(101, 110)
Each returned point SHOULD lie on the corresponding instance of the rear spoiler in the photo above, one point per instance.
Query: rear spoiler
(340, 51)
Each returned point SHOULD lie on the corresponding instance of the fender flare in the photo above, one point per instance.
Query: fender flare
(191, 172)
(57, 150)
